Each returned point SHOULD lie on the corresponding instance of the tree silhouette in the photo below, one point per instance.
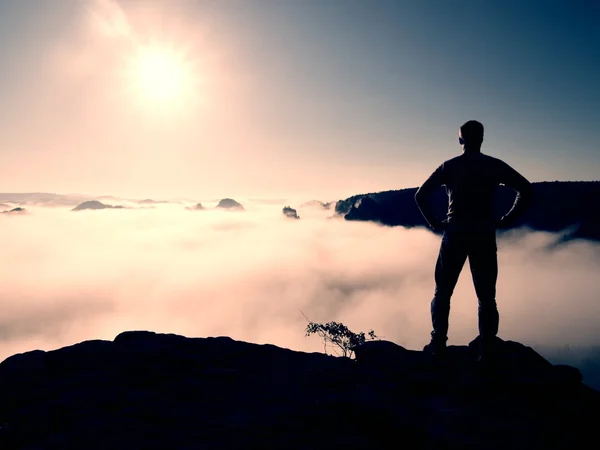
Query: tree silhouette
(338, 335)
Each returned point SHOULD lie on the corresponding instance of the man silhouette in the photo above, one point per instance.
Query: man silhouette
(469, 231)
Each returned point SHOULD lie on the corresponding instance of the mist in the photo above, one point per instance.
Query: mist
(70, 276)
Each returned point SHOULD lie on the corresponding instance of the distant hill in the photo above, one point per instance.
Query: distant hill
(18, 210)
(42, 199)
(570, 207)
(94, 204)
(230, 204)
(197, 207)
(149, 201)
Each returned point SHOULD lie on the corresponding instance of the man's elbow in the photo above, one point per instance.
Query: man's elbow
(419, 196)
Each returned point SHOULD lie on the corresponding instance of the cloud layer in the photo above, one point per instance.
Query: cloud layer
(71, 276)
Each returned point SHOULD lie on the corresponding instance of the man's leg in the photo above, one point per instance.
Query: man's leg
(483, 260)
(451, 259)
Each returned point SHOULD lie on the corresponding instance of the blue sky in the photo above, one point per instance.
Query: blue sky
(353, 95)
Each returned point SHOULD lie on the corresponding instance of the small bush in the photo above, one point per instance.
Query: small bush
(340, 336)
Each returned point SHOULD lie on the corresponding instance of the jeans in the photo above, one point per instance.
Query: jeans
(480, 247)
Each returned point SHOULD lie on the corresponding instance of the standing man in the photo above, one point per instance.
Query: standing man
(469, 231)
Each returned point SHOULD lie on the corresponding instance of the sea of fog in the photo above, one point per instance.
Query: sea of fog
(253, 275)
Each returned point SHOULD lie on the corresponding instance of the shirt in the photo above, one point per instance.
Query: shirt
(470, 180)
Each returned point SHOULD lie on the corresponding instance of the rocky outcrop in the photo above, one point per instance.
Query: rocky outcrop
(197, 207)
(230, 204)
(565, 207)
(17, 210)
(290, 212)
(94, 204)
(366, 208)
(147, 390)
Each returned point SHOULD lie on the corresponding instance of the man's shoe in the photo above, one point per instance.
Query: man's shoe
(435, 348)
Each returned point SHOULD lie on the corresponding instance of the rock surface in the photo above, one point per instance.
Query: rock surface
(163, 391)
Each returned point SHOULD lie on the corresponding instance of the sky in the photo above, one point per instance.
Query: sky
(279, 98)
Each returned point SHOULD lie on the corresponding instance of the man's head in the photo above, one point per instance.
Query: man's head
(470, 135)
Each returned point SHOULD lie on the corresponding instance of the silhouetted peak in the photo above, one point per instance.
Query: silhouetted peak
(93, 204)
(16, 210)
(290, 212)
(366, 208)
(197, 207)
(229, 203)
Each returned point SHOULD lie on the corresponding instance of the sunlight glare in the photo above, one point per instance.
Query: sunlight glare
(161, 74)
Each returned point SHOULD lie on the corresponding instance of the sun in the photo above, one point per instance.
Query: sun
(160, 75)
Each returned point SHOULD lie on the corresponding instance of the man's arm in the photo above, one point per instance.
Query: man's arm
(423, 194)
(513, 179)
